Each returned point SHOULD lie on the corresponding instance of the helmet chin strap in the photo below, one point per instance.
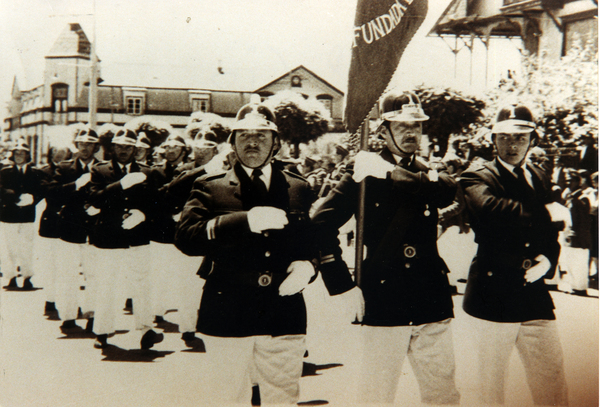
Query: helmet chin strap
(265, 162)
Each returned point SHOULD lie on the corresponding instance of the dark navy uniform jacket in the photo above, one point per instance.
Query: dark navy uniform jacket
(50, 217)
(74, 223)
(115, 204)
(13, 183)
(162, 225)
(214, 223)
(512, 227)
(404, 279)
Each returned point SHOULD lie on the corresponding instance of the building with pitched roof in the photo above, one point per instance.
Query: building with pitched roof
(63, 98)
(550, 26)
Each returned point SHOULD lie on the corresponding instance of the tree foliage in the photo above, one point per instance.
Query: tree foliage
(299, 119)
(156, 130)
(213, 121)
(563, 94)
(450, 112)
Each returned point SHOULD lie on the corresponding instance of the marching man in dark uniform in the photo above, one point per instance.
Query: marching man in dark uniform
(252, 223)
(123, 202)
(21, 188)
(173, 273)
(407, 298)
(71, 186)
(509, 203)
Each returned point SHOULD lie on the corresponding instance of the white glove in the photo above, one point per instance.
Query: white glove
(25, 200)
(558, 212)
(299, 274)
(539, 270)
(83, 180)
(131, 179)
(266, 217)
(133, 218)
(355, 304)
(370, 165)
(92, 211)
(177, 216)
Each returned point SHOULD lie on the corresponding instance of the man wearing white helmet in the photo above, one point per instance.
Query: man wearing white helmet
(122, 200)
(71, 186)
(252, 223)
(407, 297)
(510, 210)
(20, 190)
(175, 284)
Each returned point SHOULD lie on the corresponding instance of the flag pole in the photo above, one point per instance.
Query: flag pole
(360, 213)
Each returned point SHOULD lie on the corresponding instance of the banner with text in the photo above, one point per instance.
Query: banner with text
(382, 30)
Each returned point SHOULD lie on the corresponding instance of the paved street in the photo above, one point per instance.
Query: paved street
(42, 367)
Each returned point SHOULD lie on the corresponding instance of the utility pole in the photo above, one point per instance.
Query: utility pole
(93, 97)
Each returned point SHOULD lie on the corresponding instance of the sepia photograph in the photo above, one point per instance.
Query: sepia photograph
(299, 202)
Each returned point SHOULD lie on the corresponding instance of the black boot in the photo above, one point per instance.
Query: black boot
(27, 284)
(101, 341)
(150, 338)
(12, 283)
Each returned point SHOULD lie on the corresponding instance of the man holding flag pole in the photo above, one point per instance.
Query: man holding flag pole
(395, 198)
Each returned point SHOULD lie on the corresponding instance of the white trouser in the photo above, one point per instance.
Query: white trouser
(539, 348)
(72, 258)
(576, 262)
(274, 363)
(175, 284)
(17, 250)
(44, 264)
(115, 270)
(430, 350)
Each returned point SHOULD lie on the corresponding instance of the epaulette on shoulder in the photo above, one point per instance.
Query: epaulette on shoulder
(294, 175)
(422, 161)
(476, 165)
(212, 177)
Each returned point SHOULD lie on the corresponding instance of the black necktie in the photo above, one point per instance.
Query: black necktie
(521, 178)
(124, 170)
(405, 162)
(259, 185)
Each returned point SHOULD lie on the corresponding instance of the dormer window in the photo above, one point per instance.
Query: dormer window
(296, 81)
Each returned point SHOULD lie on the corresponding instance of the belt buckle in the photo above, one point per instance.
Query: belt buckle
(410, 252)
(526, 264)
(264, 280)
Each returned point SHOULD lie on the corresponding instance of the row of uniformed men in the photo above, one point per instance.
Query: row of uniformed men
(113, 221)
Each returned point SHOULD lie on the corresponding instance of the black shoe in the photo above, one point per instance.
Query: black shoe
(12, 283)
(193, 342)
(101, 341)
(49, 307)
(150, 338)
(27, 284)
(69, 326)
(89, 326)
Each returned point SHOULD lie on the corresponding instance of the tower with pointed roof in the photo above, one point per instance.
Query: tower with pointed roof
(68, 69)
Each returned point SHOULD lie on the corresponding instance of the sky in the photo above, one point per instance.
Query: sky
(181, 43)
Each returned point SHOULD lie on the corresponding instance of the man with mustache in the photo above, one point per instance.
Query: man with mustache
(407, 297)
(122, 200)
(252, 223)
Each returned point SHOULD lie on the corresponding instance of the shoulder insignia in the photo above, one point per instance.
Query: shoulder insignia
(294, 175)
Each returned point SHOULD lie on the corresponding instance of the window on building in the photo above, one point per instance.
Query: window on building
(134, 105)
(60, 95)
(296, 82)
(327, 101)
(200, 105)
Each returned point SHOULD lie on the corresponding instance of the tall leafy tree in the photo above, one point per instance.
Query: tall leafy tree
(299, 119)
